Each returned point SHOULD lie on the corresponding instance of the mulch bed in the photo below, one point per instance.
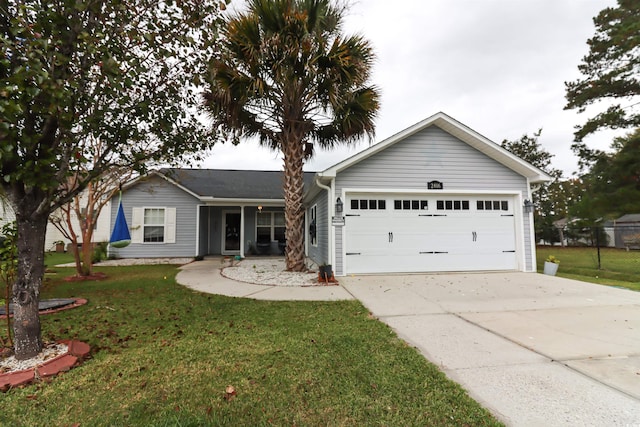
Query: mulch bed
(98, 275)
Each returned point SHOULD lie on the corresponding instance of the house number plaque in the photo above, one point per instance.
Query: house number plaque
(435, 185)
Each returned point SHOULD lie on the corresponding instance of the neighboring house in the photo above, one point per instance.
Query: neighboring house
(6, 213)
(101, 233)
(572, 233)
(437, 196)
(627, 231)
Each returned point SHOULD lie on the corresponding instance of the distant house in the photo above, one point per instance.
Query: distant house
(572, 233)
(437, 196)
(53, 235)
(6, 214)
(627, 231)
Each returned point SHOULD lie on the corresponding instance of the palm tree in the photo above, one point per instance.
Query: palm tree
(286, 74)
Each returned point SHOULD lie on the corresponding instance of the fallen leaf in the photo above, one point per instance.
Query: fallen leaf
(229, 392)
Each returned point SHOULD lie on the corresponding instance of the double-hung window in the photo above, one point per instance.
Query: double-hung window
(153, 228)
(270, 226)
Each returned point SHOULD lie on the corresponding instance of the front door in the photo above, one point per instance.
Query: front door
(232, 233)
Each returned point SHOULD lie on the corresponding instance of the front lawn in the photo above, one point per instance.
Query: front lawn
(51, 259)
(164, 355)
(618, 267)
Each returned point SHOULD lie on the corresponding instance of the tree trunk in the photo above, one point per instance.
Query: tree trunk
(293, 153)
(87, 255)
(70, 232)
(86, 228)
(76, 256)
(26, 289)
(87, 248)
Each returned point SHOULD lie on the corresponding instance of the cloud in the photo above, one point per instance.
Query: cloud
(498, 66)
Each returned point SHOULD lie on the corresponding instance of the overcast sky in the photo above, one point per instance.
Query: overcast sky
(497, 66)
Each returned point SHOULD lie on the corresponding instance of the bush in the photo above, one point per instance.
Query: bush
(99, 252)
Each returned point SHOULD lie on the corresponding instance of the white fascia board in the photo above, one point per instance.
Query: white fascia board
(158, 174)
(213, 201)
(460, 131)
(314, 189)
(492, 150)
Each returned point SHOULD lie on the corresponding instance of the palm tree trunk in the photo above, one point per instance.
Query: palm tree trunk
(293, 153)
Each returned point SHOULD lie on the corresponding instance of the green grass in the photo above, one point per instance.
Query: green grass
(52, 259)
(163, 355)
(619, 267)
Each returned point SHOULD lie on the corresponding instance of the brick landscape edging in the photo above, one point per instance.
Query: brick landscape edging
(77, 351)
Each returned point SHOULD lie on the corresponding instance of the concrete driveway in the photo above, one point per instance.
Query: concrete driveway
(534, 349)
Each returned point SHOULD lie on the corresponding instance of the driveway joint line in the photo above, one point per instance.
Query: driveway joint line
(551, 359)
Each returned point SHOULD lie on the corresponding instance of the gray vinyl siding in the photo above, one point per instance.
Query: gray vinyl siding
(320, 253)
(156, 192)
(431, 154)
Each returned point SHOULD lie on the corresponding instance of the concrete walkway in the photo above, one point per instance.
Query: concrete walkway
(205, 276)
(535, 350)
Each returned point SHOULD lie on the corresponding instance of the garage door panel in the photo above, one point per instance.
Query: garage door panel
(390, 263)
(365, 235)
(405, 240)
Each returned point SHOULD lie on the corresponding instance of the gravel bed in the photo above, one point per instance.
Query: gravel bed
(268, 272)
(136, 261)
(11, 364)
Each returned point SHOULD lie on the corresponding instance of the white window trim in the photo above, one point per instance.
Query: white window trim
(137, 225)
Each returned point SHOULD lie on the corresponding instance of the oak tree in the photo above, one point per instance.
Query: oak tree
(547, 208)
(123, 71)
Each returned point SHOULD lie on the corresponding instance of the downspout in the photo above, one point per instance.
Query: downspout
(241, 233)
(330, 230)
(532, 231)
(198, 209)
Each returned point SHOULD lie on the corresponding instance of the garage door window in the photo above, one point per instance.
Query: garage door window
(452, 205)
(368, 204)
(413, 205)
(492, 205)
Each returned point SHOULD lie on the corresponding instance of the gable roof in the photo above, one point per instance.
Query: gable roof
(458, 130)
(207, 184)
(629, 218)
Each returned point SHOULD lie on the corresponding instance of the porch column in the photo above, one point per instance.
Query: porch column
(241, 234)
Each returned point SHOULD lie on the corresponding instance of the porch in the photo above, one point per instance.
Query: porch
(253, 229)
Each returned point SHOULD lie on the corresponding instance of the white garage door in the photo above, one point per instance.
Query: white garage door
(406, 233)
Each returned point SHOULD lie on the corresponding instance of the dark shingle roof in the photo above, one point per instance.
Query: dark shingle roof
(629, 218)
(232, 184)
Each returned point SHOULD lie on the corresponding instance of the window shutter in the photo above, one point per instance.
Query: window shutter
(170, 225)
(136, 225)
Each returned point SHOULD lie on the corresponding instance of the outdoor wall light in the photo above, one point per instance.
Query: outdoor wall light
(260, 209)
(528, 206)
(339, 206)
